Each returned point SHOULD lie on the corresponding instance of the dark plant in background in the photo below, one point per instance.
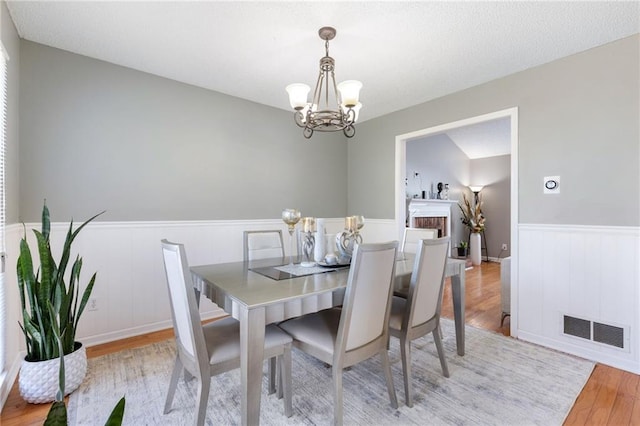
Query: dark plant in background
(46, 299)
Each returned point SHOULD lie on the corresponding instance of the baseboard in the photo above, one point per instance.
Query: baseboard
(137, 331)
(581, 352)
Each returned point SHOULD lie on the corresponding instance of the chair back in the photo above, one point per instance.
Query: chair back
(413, 235)
(424, 300)
(365, 310)
(184, 309)
(263, 244)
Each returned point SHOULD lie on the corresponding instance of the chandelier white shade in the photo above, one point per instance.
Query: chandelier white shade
(349, 92)
(298, 95)
(332, 107)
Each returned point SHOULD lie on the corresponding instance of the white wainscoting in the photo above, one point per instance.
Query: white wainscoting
(588, 272)
(130, 289)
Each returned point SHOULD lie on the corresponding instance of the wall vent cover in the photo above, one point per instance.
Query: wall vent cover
(608, 335)
(577, 327)
(594, 331)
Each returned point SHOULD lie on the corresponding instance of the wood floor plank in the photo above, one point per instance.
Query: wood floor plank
(581, 409)
(635, 413)
(606, 397)
(621, 410)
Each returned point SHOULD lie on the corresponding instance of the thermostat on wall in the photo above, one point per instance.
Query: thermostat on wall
(552, 185)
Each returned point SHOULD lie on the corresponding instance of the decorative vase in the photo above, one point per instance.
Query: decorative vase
(308, 243)
(38, 381)
(475, 248)
(320, 248)
(330, 246)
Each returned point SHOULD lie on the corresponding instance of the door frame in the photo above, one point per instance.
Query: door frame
(401, 172)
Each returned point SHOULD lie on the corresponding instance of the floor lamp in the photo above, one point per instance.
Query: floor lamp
(476, 191)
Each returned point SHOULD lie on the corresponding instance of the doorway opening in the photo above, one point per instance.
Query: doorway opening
(400, 192)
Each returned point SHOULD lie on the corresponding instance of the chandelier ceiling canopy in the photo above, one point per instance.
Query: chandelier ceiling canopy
(333, 107)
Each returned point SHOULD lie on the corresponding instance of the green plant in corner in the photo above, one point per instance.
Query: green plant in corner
(45, 296)
(463, 245)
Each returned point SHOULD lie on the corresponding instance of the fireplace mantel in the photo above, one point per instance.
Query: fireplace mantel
(431, 208)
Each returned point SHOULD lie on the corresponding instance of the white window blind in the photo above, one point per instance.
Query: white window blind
(3, 132)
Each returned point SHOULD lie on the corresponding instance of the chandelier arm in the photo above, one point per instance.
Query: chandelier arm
(350, 116)
(349, 131)
(335, 90)
(326, 89)
(318, 90)
(298, 118)
(307, 132)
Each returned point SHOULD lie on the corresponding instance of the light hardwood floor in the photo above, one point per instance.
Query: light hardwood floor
(610, 397)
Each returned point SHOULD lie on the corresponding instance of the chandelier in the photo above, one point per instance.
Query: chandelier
(319, 114)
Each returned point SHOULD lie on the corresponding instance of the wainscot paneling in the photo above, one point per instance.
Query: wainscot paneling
(585, 272)
(130, 290)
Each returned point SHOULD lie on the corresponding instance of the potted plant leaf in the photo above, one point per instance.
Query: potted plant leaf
(57, 415)
(48, 295)
(463, 248)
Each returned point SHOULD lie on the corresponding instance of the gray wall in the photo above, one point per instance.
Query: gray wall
(95, 136)
(495, 174)
(11, 42)
(579, 117)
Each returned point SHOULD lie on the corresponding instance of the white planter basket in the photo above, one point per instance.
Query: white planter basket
(38, 381)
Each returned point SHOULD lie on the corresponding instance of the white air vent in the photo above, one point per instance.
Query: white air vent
(607, 334)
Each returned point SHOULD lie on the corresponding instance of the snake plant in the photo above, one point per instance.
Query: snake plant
(45, 294)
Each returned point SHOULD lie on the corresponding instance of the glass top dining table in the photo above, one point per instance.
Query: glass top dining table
(247, 292)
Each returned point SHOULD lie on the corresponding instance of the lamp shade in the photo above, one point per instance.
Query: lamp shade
(349, 92)
(298, 95)
(475, 188)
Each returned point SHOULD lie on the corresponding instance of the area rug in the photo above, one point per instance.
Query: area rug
(500, 381)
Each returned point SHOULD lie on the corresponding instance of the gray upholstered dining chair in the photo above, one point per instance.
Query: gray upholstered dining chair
(342, 337)
(412, 236)
(212, 349)
(419, 313)
(262, 244)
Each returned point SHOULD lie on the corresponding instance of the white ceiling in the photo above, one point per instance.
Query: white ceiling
(405, 53)
(488, 139)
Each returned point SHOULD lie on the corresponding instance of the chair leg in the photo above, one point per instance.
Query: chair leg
(284, 379)
(437, 338)
(504, 315)
(386, 366)
(271, 371)
(202, 398)
(337, 396)
(405, 354)
(173, 384)
(279, 379)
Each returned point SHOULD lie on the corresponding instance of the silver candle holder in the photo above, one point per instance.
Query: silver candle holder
(308, 241)
(347, 239)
